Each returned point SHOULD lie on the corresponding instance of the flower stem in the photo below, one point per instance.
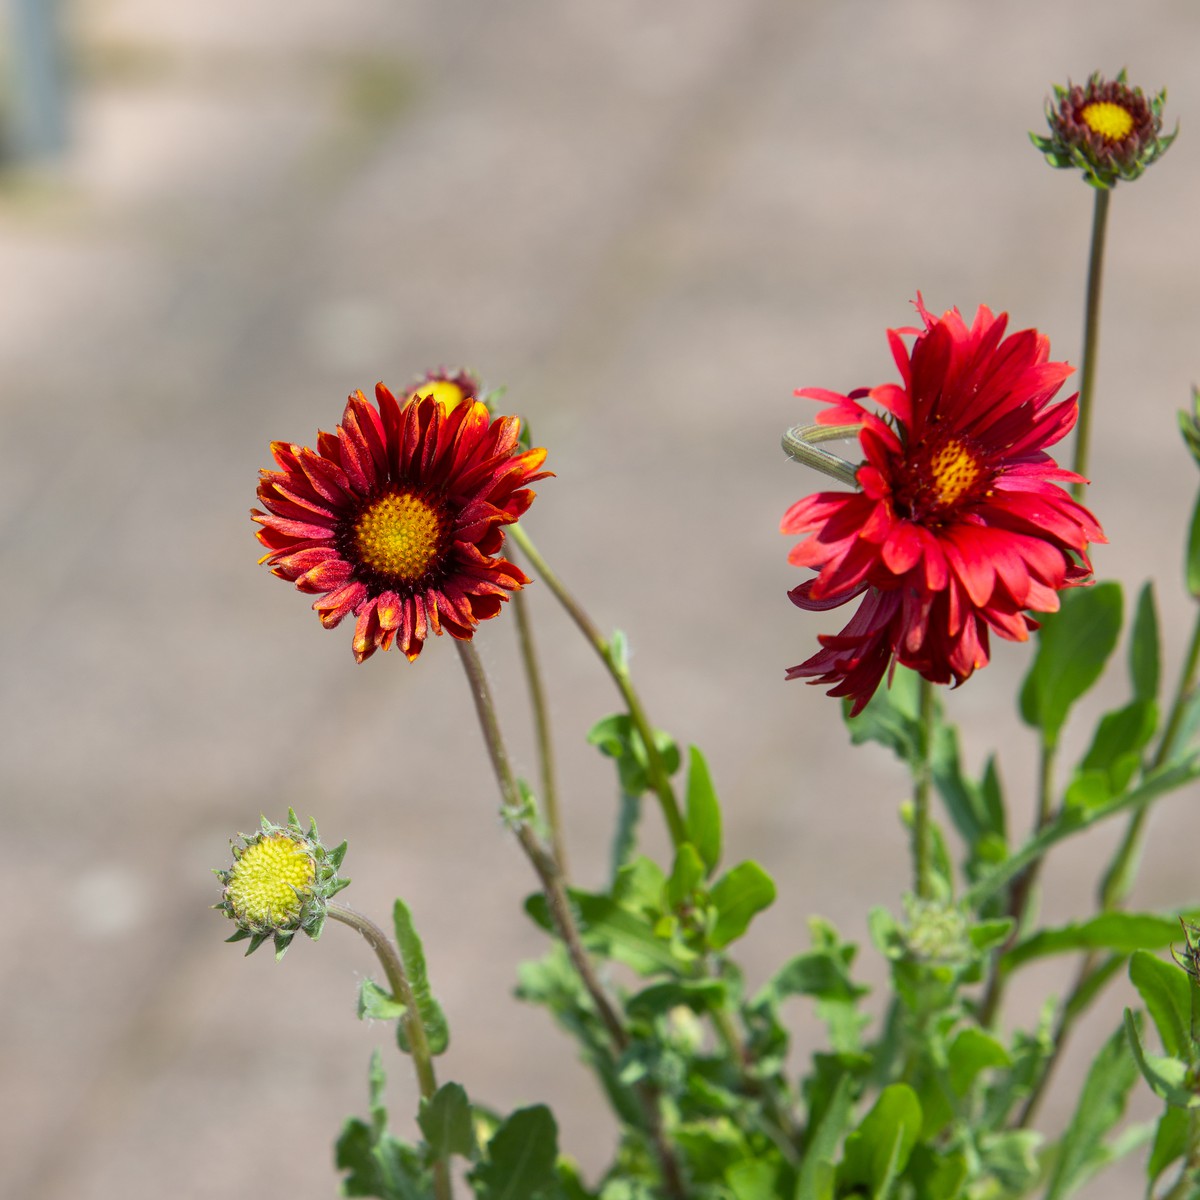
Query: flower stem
(659, 779)
(541, 725)
(922, 841)
(418, 1043)
(1091, 335)
(558, 902)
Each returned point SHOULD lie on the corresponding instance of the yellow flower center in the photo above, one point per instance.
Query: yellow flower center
(448, 395)
(1109, 120)
(263, 884)
(955, 469)
(399, 536)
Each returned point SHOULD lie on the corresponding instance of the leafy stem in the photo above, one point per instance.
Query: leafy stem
(398, 985)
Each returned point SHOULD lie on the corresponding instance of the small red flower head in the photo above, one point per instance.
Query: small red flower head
(959, 526)
(398, 517)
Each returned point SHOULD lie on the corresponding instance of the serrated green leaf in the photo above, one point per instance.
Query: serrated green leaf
(1145, 655)
(520, 1156)
(1101, 1105)
(1166, 991)
(703, 811)
(1073, 646)
(738, 896)
(412, 954)
(877, 1152)
(446, 1122)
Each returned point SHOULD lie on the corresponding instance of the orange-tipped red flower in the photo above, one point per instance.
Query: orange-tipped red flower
(398, 517)
(958, 527)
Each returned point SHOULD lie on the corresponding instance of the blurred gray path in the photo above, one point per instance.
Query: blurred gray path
(651, 223)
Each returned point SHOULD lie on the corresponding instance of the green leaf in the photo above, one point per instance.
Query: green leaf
(891, 717)
(700, 995)
(1170, 1142)
(1192, 563)
(1101, 1105)
(703, 811)
(937, 1176)
(877, 1152)
(616, 737)
(685, 876)
(412, 954)
(1120, 932)
(1144, 651)
(817, 1171)
(520, 1156)
(446, 1122)
(1168, 1077)
(1119, 740)
(738, 896)
(377, 1004)
(1011, 1158)
(1073, 646)
(1166, 991)
(753, 1179)
(971, 1052)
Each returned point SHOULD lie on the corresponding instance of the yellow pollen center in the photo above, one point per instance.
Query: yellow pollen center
(955, 470)
(1109, 120)
(264, 881)
(399, 536)
(448, 395)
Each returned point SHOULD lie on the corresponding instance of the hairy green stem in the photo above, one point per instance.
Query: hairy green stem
(923, 778)
(541, 726)
(655, 769)
(558, 902)
(1091, 337)
(418, 1043)
(799, 444)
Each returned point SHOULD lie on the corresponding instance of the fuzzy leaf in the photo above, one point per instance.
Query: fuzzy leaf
(520, 1157)
(412, 954)
(877, 1152)
(703, 811)
(446, 1122)
(1073, 646)
(738, 896)
(1101, 1106)
(1166, 991)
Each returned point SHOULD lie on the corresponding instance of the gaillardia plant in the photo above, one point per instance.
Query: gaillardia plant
(280, 883)
(398, 517)
(1104, 128)
(959, 527)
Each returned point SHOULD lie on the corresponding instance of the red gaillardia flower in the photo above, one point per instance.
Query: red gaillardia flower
(398, 516)
(958, 526)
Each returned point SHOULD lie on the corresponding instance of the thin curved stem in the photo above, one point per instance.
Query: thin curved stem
(799, 445)
(559, 905)
(418, 1043)
(1091, 337)
(659, 779)
(541, 726)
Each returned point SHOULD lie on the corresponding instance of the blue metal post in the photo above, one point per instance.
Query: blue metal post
(37, 108)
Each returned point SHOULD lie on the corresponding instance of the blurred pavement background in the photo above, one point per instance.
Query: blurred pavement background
(651, 222)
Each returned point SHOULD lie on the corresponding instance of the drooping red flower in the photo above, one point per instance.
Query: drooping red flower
(398, 517)
(959, 527)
